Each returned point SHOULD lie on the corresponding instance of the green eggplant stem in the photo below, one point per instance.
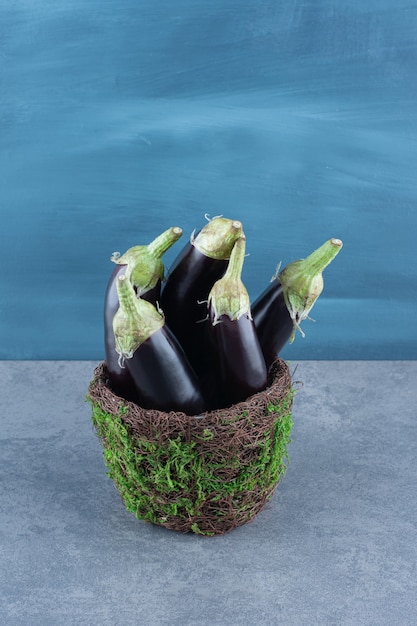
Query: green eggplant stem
(144, 263)
(164, 241)
(302, 281)
(135, 320)
(228, 295)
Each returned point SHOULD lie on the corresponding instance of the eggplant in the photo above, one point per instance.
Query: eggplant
(235, 363)
(287, 301)
(144, 267)
(163, 378)
(197, 267)
(272, 319)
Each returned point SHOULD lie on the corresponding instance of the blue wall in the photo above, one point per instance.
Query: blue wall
(120, 119)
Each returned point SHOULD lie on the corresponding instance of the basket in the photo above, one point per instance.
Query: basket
(203, 474)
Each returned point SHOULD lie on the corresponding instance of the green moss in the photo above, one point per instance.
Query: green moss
(159, 482)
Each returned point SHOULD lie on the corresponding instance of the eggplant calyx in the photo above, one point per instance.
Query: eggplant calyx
(302, 281)
(145, 273)
(229, 296)
(134, 322)
(144, 263)
(216, 239)
(129, 257)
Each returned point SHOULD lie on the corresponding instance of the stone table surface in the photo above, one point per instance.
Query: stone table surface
(337, 544)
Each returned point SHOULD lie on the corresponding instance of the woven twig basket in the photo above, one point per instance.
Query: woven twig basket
(206, 474)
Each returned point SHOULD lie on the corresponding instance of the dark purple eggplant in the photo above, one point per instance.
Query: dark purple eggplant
(201, 262)
(234, 355)
(287, 301)
(144, 267)
(162, 376)
(272, 319)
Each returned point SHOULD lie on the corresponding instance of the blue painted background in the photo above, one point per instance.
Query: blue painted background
(120, 119)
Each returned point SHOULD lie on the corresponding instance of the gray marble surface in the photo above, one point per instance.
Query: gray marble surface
(336, 545)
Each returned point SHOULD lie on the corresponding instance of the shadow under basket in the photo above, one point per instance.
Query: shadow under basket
(204, 474)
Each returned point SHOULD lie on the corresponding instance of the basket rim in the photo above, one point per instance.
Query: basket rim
(256, 414)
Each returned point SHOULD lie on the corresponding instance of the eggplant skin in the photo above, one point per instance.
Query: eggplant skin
(163, 377)
(237, 361)
(272, 320)
(119, 377)
(190, 279)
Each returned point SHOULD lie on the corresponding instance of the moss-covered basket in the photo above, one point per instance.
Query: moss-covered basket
(206, 474)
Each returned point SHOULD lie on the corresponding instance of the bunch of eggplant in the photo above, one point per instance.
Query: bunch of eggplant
(191, 341)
